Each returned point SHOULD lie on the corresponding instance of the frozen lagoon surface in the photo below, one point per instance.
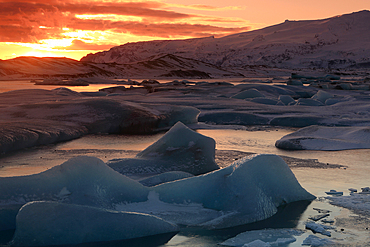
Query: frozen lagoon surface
(314, 180)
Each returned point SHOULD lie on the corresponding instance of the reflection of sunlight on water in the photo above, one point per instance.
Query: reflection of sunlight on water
(6, 86)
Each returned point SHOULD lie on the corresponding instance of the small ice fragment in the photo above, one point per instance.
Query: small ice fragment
(327, 221)
(318, 217)
(317, 228)
(352, 190)
(316, 241)
(365, 190)
(257, 243)
(334, 192)
(322, 211)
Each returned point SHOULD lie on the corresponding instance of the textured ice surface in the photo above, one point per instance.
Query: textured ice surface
(46, 117)
(322, 96)
(313, 240)
(164, 178)
(318, 228)
(269, 237)
(248, 94)
(81, 180)
(53, 223)
(359, 203)
(180, 149)
(249, 190)
(326, 138)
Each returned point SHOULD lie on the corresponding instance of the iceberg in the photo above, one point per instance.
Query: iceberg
(52, 223)
(249, 190)
(248, 94)
(322, 96)
(286, 99)
(82, 180)
(164, 178)
(180, 149)
(326, 138)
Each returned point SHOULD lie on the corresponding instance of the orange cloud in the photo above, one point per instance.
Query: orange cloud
(80, 45)
(34, 21)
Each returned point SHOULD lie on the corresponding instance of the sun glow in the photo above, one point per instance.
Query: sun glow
(110, 17)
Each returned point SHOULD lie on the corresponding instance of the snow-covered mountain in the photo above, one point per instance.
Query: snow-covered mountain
(36, 67)
(336, 42)
(156, 66)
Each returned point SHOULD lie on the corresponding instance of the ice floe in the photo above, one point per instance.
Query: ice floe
(326, 138)
(180, 149)
(313, 240)
(249, 190)
(357, 202)
(267, 237)
(41, 224)
(319, 228)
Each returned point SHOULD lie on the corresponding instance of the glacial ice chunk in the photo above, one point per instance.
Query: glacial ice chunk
(164, 178)
(269, 237)
(309, 102)
(249, 190)
(326, 138)
(322, 96)
(81, 180)
(232, 117)
(252, 188)
(248, 94)
(318, 228)
(180, 149)
(265, 101)
(286, 99)
(314, 241)
(52, 223)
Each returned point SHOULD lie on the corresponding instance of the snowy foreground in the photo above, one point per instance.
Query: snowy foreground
(66, 198)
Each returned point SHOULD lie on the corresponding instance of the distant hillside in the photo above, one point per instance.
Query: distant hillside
(36, 67)
(336, 42)
(168, 66)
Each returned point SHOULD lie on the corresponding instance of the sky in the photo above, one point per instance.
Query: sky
(74, 28)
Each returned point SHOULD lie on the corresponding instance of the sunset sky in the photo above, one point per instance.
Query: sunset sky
(74, 28)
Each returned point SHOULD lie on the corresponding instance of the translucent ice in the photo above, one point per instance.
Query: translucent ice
(326, 138)
(313, 240)
(251, 188)
(180, 149)
(53, 223)
(164, 178)
(322, 96)
(269, 237)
